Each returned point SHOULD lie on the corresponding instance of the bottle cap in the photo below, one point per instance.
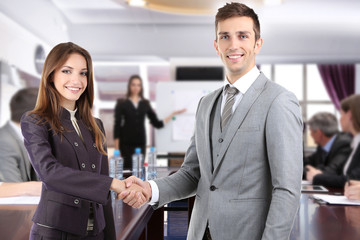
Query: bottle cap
(152, 149)
(145, 164)
(137, 150)
(116, 152)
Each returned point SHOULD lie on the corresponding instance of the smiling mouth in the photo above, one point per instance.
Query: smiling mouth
(73, 88)
(235, 57)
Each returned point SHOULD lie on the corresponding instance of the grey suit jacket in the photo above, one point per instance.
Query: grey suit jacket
(254, 189)
(14, 160)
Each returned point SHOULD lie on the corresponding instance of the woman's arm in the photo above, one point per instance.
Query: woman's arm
(168, 118)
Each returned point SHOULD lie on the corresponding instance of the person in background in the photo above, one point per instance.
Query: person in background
(244, 163)
(14, 160)
(67, 149)
(129, 127)
(350, 122)
(333, 147)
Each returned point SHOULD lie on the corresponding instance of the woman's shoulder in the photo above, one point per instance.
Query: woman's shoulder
(145, 102)
(31, 117)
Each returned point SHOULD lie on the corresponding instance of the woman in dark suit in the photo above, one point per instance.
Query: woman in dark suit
(67, 149)
(130, 113)
(350, 122)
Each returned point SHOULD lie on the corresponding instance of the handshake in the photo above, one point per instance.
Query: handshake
(133, 191)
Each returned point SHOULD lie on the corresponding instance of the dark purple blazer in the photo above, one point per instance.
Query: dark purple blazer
(74, 176)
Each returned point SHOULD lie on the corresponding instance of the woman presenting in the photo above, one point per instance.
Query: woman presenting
(130, 113)
(67, 149)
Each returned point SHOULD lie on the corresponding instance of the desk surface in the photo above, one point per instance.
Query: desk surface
(313, 221)
(325, 222)
(15, 220)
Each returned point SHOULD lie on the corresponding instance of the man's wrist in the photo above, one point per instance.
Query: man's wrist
(154, 199)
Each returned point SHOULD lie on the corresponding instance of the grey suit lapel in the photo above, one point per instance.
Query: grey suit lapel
(239, 115)
(213, 98)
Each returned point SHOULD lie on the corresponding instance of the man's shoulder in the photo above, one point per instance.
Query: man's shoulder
(343, 139)
(6, 130)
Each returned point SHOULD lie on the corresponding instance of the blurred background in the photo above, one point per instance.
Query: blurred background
(158, 38)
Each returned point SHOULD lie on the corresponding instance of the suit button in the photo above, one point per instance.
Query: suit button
(93, 166)
(76, 144)
(212, 188)
(76, 201)
(83, 165)
(94, 145)
(221, 140)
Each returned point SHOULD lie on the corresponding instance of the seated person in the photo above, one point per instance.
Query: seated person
(350, 122)
(333, 147)
(15, 165)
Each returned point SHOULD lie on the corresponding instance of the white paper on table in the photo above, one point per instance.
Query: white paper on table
(31, 200)
(306, 182)
(333, 199)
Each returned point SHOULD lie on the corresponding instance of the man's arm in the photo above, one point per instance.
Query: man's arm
(9, 161)
(179, 185)
(284, 146)
(20, 189)
(338, 158)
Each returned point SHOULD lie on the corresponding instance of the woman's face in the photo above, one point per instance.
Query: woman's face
(345, 120)
(135, 87)
(70, 80)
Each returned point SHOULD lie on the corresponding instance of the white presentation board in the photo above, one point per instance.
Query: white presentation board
(171, 96)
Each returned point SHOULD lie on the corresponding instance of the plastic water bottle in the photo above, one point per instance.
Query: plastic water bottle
(116, 165)
(137, 164)
(146, 170)
(152, 161)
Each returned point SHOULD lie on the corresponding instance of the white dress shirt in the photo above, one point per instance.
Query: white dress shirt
(242, 84)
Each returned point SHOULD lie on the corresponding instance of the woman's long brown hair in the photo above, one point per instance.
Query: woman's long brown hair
(48, 102)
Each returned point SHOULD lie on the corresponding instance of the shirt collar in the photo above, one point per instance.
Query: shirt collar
(72, 114)
(16, 128)
(328, 145)
(244, 83)
(356, 140)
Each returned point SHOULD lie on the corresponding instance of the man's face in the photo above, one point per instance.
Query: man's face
(316, 135)
(236, 46)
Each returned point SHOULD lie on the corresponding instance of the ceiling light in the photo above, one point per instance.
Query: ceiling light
(136, 3)
(272, 2)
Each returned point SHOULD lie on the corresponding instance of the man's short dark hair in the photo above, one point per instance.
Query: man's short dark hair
(235, 9)
(23, 100)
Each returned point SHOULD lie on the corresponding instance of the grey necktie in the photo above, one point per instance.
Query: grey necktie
(230, 100)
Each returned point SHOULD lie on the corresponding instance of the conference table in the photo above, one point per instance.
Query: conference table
(319, 221)
(314, 221)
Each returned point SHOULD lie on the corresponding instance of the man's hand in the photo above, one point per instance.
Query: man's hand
(128, 195)
(311, 172)
(134, 193)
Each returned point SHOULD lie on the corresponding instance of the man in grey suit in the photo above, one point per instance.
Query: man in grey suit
(244, 162)
(14, 161)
